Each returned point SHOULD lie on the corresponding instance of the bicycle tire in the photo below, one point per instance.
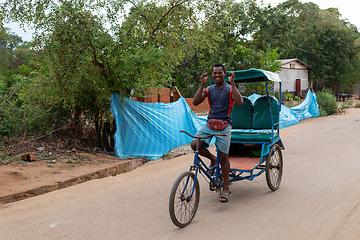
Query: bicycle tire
(274, 167)
(182, 208)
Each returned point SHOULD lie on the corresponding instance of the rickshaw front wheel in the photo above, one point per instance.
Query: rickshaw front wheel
(184, 199)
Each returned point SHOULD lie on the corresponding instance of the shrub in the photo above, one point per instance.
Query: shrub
(288, 96)
(322, 113)
(327, 102)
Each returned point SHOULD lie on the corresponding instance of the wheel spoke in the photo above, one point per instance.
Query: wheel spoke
(274, 168)
(183, 208)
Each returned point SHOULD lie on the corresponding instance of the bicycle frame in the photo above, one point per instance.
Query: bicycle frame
(199, 165)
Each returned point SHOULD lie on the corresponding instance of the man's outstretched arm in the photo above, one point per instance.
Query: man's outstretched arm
(236, 96)
(200, 95)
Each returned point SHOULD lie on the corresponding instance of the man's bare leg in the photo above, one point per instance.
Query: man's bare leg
(225, 168)
(204, 152)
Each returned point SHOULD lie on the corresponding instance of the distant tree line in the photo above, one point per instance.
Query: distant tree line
(83, 51)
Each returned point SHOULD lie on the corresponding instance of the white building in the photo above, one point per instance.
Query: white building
(294, 75)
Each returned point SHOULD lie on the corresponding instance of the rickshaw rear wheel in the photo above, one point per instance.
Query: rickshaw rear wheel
(274, 167)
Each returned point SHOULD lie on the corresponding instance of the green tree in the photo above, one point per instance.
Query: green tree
(318, 37)
(8, 44)
(86, 50)
(82, 62)
(225, 30)
(151, 41)
(24, 110)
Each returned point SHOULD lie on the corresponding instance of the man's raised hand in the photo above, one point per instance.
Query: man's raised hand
(232, 77)
(203, 78)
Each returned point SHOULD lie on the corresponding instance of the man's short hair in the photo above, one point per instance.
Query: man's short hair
(219, 65)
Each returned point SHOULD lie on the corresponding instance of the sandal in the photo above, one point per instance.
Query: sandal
(224, 197)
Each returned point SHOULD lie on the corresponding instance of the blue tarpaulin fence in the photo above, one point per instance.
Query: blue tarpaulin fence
(152, 129)
(307, 109)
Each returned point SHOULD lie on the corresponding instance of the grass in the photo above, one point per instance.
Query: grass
(74, 159)
(346, 104)
(22, 162)
(47, 156)
(6, 159)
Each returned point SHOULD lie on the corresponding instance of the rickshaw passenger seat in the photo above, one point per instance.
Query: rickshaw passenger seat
(261, 114)
(242, 116)
(250, 122)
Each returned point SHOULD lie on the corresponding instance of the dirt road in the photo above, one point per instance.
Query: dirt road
(319, 197)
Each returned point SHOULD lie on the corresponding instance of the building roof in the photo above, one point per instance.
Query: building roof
(286, 61)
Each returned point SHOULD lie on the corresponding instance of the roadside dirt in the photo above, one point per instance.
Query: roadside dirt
(47, 172)
(46, 169)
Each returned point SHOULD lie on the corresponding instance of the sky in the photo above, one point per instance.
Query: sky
(349, 9)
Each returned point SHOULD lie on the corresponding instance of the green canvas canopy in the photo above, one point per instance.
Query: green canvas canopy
(252, 75)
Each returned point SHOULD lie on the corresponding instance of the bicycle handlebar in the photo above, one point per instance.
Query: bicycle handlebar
(214, 134)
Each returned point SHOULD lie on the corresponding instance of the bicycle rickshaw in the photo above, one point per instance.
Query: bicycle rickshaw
(255, 148)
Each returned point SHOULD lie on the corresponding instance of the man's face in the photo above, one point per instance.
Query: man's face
(218, 74)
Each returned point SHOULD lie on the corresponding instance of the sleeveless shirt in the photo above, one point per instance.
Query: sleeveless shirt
(220, 102)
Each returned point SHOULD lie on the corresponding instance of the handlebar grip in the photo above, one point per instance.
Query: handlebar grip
(187, 133)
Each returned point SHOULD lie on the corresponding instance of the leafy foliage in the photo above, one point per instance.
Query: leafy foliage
(318, 37)
(327, 102)
(81, 62)
(224, 38)
(83, 51)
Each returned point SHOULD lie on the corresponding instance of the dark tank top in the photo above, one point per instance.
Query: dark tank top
(220, 102)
